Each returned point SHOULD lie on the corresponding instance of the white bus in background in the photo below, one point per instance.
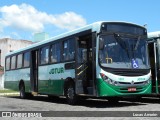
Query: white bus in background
(102, 60)
(154, 55)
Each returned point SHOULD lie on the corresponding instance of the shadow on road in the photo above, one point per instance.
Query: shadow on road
(91, 103)
(153, 100)
(96, 103)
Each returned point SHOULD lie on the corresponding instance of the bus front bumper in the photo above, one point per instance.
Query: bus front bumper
(104, 89)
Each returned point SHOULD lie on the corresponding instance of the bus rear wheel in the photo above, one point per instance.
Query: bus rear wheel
(22, 91)
(70, 94)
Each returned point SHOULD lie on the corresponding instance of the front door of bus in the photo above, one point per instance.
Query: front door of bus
(84, 63)
(34, 71)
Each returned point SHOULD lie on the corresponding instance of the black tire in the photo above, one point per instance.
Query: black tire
(22, 91)
(70, 94)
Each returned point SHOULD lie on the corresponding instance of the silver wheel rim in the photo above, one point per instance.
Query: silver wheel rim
(70, 93)
(21, 92)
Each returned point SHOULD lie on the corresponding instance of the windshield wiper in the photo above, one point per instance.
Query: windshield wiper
(122, 43)
(137, 43)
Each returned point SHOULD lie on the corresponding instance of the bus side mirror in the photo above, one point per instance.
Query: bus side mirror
(101, 44)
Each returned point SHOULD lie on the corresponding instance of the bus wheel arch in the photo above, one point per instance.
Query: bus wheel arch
(22, 89)
(69, 91)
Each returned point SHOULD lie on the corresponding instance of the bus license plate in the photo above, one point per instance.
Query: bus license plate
(131, 89)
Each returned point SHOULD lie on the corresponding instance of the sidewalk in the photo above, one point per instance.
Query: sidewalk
(9, 94)
(5, 92)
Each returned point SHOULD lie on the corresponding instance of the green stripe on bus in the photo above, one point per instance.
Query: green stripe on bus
(51, 86)
(54, 87)
(14, 85)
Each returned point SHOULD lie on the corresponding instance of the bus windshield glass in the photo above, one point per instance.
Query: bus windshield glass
(123, 51)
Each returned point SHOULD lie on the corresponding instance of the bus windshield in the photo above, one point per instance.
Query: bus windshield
(123, 51)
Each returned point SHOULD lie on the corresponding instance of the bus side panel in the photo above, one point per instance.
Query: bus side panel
(51, 78)
(24, 75)
(12, 79)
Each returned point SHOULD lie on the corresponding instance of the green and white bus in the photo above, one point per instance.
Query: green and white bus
(154, 55)
(103, 60)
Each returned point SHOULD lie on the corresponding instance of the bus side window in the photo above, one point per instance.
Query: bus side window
(44, 55)
(19, 61)
(26, 59)
(13, 62)
(55, 53)
(8, 63)
(68, 50)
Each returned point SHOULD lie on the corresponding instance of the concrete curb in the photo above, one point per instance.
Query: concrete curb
(8, 94)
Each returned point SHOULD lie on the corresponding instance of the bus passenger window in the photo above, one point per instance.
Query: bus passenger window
(44, 55)
(68, 50)
(13, 62)
(55, 53)
(19, 61)
(8, 63)
(26, 59)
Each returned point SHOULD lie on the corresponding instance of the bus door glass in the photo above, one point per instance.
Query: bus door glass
(158, 64)
(34, 70)
(152, 56)
(84, 63)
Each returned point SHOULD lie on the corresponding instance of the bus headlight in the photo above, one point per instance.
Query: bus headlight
(108, 80)
(148, 81)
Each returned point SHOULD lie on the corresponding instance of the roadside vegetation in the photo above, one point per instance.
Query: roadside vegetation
(7, 91)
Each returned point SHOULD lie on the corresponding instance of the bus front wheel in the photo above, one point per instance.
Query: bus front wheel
(70, 94)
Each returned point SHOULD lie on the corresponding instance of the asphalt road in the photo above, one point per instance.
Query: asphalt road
(54, 106)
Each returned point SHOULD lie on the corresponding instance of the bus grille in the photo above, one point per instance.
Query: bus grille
(129, 72)
(129, 83)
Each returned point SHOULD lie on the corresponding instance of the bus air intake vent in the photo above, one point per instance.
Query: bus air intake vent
(129, 72)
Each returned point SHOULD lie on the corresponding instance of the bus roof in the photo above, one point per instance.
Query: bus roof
(94, 27)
